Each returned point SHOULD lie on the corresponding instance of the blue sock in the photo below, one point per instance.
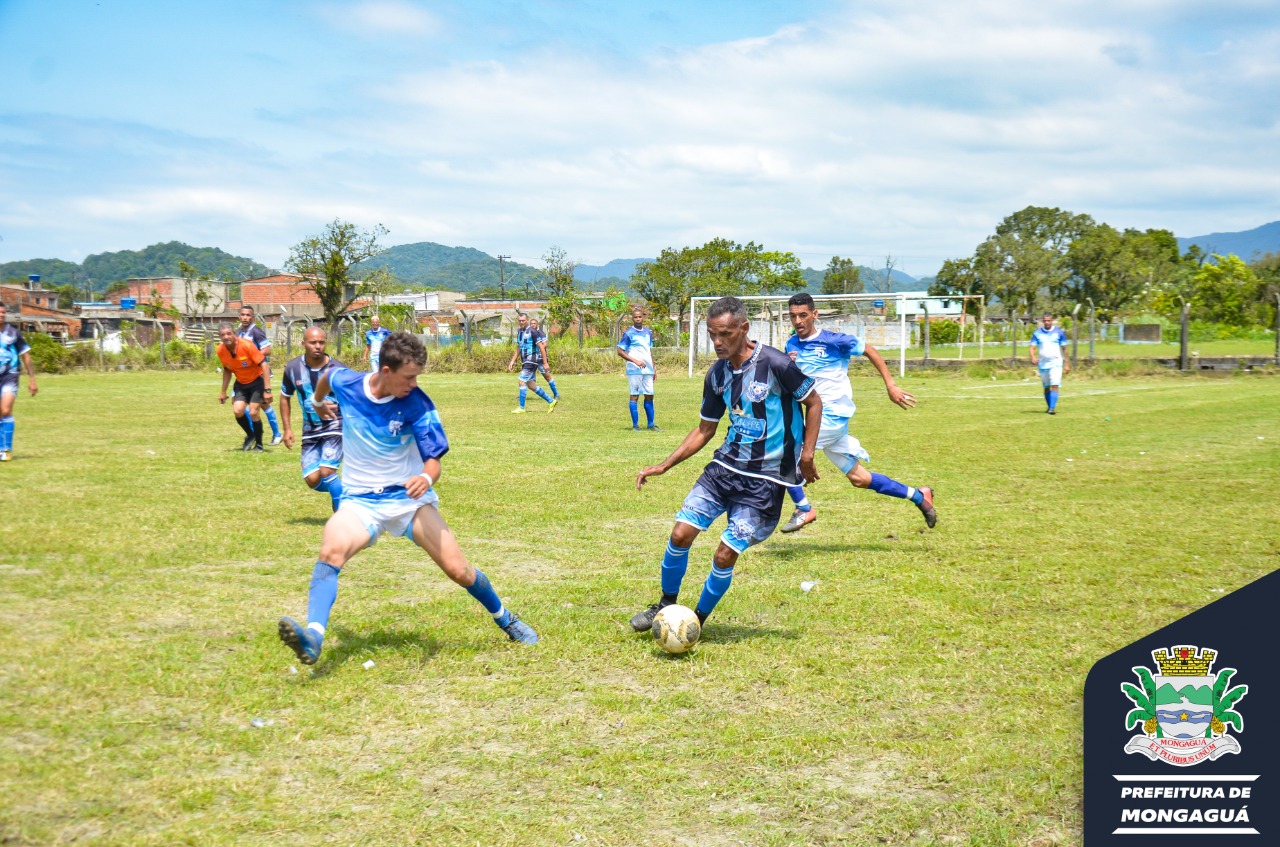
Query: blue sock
(1047, 401)
(799, 497)
(1053, 398)
(524, 392)
(483, 591)
(555, 392)
(882, 484)
(324, 590)
(717, 584)
(542, 394)
(271, 419)
(648, 411)
(6, 433)
(635, 413)
(331, 485)
(674, 563)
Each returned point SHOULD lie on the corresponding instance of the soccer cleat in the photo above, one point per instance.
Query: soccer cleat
(248, 443)
(552, 406)
(655, 428)
(520, 411)
(1053, 411)
(276, 441)
(799, 518)
(520, 631)
(926, 507)
(635, 428)
(4, 455)
(257, 447)
(643, 621)
(301, 640)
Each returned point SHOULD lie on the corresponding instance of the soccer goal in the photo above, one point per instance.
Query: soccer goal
(888, 322)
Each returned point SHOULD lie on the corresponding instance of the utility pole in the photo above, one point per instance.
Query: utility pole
(502, 277)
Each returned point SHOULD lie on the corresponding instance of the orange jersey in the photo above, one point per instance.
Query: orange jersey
(247, 362)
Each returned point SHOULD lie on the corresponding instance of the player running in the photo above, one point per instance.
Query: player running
(250, 330)
(636, 347)
(393, 443)
(1047, 344)
(15, 355)
(531, 349)
(241, 358)
(774, 417)
(321, 437)
(373, 338)
(824, 355)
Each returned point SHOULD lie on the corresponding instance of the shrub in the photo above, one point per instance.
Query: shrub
(47, 355)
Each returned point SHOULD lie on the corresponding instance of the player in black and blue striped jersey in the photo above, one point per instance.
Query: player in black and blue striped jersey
(321, 444)
(14, 355)
(774, 418)
(250, 330)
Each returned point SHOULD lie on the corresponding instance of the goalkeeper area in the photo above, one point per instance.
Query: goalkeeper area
(887, 322)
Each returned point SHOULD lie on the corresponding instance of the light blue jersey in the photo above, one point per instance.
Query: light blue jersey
(385, 441)
(638, 343)
(373, 339)
(12, 346)
(825, 356)
(1050, 343)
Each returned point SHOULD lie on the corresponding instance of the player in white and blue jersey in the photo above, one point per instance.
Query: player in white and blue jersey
(373, 338)
(825, 355)
(250, 330)
(15, 354)
(1048, 344)
(636, 347)
(774, 418)
(393, 442)
(531, 350)
(321, 446)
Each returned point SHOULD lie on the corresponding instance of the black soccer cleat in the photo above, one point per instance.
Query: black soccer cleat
(643, 621)
(926, 507)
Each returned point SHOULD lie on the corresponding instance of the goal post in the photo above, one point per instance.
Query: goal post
(885, 321)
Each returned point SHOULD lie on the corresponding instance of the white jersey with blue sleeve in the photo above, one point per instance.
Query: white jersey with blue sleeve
(638, 343)
(385, 440)
(1050, 344)
(373, 339)
(825, 356)
(12, 348)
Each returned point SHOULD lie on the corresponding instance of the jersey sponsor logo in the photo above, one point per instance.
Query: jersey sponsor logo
(746, 426)
(395, 426)
(819, 351)
(756, 391)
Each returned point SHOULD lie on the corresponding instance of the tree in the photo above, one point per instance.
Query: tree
(1225, 292)
(1113, 269)
(325, 261)
(1027, 254)
(842, 277)
(562, 299)
(958, 276)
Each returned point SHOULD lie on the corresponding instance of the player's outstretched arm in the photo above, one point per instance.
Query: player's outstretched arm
(896, 394)
(324, 409)
(693, 442)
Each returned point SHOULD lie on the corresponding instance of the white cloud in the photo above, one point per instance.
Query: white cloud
(380, 18)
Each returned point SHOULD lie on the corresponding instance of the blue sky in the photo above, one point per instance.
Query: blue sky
(612, 130)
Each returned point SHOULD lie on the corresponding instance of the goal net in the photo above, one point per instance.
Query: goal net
(879, 319)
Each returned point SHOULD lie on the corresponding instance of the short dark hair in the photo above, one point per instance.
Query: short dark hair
(731, 306)
(247, 306)
(804, 298)
(401, 347)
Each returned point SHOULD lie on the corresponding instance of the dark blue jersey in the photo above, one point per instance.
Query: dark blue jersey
(300, 379)
(766, 420)
(12, 346)
(528, 340)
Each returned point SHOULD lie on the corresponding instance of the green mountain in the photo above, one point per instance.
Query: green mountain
(101, 269)
(430, 265)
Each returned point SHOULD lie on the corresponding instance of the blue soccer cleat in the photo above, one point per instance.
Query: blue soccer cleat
(520, 631)
(301, 640)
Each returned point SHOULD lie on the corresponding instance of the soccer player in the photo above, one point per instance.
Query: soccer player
(373, 338)
(321, 437)
(250, 330)
(14, 352)
(774, 417)
(1047, 345)
(545, 370)
(531, 349)
(636, 347)
(824, 355)
(393, 443)
(242, 358)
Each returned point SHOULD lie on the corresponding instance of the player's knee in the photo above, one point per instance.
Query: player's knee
(725, 557)
(683, 535)
(312, 479)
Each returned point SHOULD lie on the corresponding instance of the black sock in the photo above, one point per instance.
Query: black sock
(243, 420)
(668, 600)
(257, 431)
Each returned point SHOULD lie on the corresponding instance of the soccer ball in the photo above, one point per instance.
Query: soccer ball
(676, 629)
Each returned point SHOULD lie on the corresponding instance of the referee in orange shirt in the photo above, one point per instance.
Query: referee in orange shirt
(242, 359)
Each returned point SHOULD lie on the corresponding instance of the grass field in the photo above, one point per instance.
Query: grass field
(926, 692)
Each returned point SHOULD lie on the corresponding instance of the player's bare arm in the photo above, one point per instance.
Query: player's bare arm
(896, 395)
(693, 442)
(812, 423)
(31, 374)
(285, 427)
(226, 380)
(417, 486)
(326, 410)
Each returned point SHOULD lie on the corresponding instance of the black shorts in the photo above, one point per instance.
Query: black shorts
(249, 392)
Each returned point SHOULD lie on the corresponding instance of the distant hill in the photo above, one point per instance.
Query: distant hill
(157, 260)
(432, 265)
(620, 269)
(1248, 245)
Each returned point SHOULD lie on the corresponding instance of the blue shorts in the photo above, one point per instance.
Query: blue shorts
(529, 371)
(9, 383)
(754, 506)
(322, 452)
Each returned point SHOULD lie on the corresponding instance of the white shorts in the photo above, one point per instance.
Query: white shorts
(390, 511)
(840, 447)
(1051, 376)
(640, 384)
